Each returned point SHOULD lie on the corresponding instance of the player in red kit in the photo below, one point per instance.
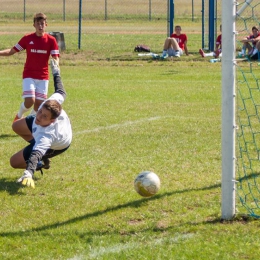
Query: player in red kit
(252, 44)
(218, 51)
(176, 44)
(39, 47)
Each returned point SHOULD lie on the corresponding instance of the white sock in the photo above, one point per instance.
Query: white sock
(164, 52)
(22, 110)
(255, 51)
(210, 54)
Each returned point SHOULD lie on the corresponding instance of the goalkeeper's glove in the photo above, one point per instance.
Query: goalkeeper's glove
(27, 179)
(55, 68)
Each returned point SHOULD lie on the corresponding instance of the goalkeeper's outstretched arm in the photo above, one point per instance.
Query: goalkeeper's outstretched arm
(58, 86)
(59, 91)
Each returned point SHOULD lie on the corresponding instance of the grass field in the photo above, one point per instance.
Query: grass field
(128, 114)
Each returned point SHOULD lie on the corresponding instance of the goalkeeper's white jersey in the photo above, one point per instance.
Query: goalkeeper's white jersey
(57, 135)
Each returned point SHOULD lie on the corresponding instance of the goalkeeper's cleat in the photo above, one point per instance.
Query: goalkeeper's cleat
(26, 179)
(55, 68)
(44, 164)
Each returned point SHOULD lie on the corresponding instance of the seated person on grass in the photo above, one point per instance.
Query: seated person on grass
(251, 44)
(217, 52)
(176, 44)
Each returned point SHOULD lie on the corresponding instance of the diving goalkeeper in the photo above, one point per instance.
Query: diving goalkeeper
(48, 132)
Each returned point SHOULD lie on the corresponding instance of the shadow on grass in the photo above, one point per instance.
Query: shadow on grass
(9, 186)
(194, 56)
(133, 204)
(249, 176)
(7, 136)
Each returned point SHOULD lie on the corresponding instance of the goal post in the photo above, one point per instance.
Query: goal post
(228, 110)
(244, 6)
(170, 17)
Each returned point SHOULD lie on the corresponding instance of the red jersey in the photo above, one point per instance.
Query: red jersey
(219, 40)
(38, 50)
(251, 36)
(181, 39)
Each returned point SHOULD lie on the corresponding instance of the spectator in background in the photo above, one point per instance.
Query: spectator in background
(217, 52)
(39, 46)
(176, 44)
(251, 44)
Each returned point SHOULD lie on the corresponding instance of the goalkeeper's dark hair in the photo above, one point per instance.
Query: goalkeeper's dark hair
(53, 106)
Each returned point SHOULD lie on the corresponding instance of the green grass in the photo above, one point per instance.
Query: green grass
(111, 38)
(128, 114)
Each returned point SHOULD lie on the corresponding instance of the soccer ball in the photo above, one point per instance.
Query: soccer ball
(147, 183)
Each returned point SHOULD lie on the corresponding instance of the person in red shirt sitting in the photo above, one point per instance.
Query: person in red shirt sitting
(217, 52)
(251, 43)
(176, 44)
(39, 47)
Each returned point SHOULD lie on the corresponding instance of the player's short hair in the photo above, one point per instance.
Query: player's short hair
(254, 28)
(53, 106)
(39, 16)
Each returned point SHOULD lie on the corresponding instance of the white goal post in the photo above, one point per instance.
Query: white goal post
(228, 109)
(244, 6)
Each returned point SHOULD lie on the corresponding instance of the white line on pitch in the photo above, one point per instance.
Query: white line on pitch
(97, 129)
(117, 248)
